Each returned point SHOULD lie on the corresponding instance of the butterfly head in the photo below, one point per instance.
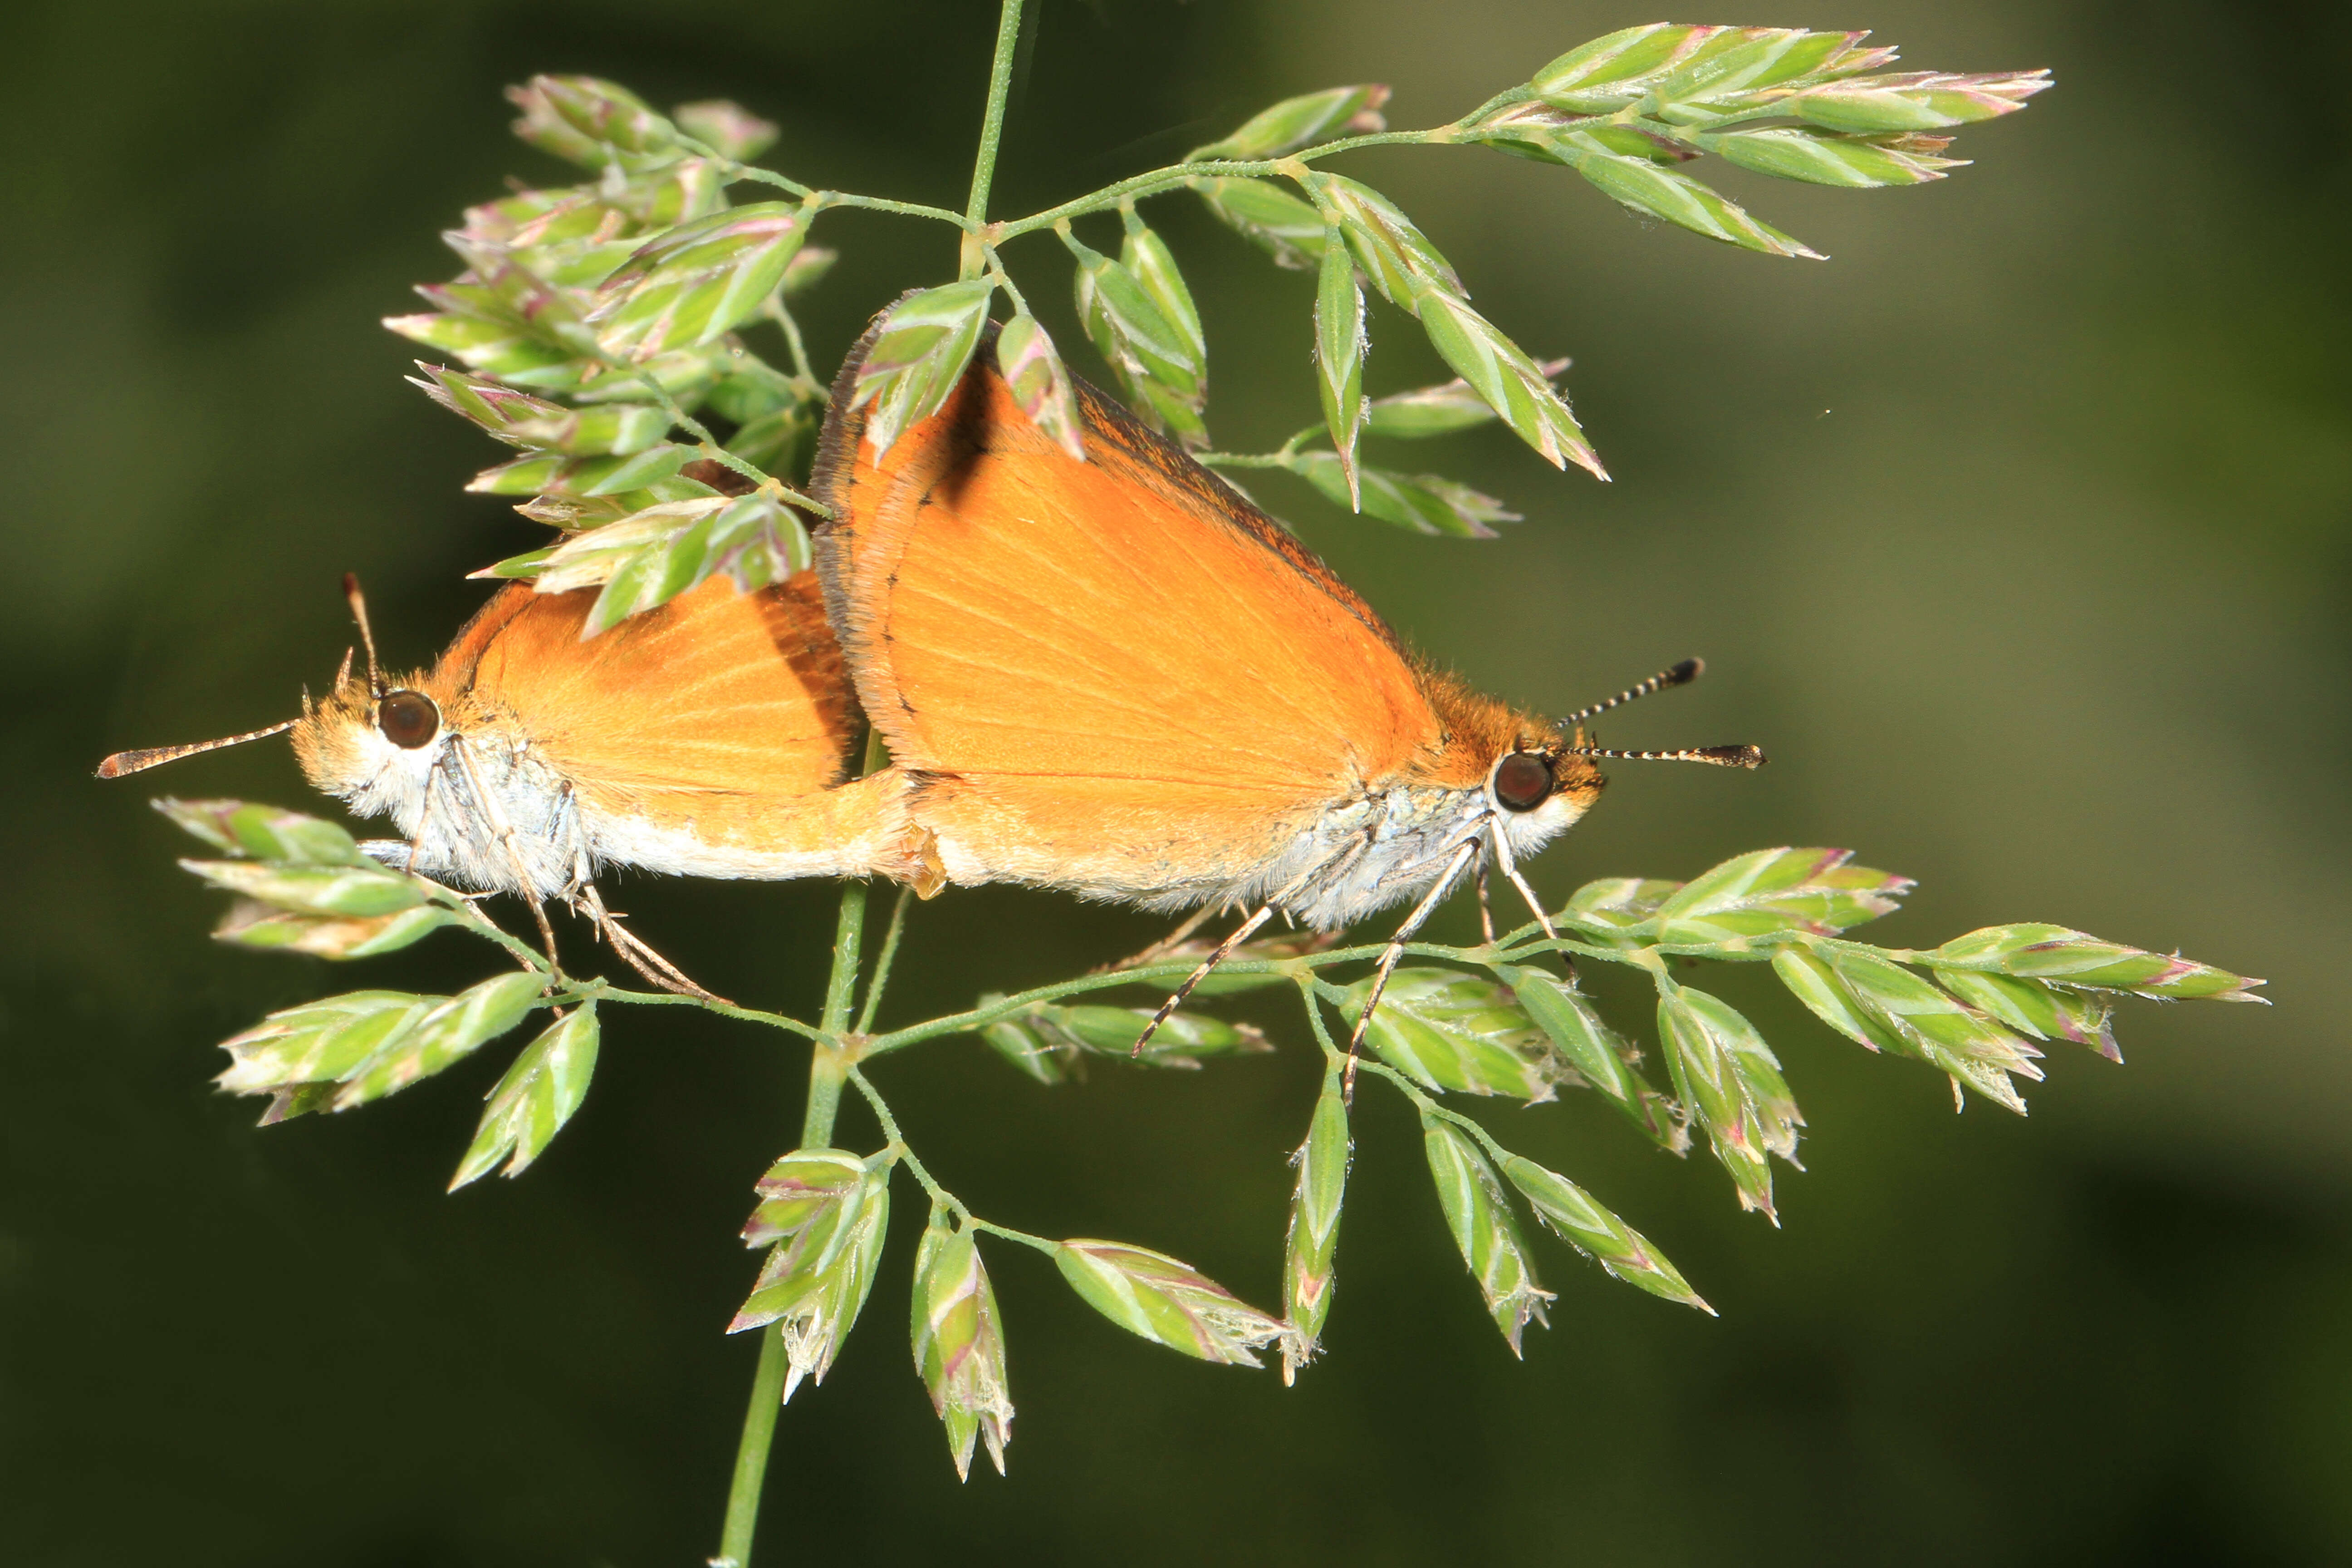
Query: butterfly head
(1528, 780)
(1539, 788)
(370, 737)
(374, 742)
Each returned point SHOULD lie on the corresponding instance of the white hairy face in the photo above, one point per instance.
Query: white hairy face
(344, 753)
(407, 757)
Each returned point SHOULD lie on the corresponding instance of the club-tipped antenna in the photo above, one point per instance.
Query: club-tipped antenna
(1682, 674)
(343, 670)
(123, 763)
(1720, 756)
(367, 638)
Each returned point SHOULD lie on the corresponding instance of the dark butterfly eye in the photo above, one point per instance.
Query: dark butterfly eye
(1523, 781)
(408, 719)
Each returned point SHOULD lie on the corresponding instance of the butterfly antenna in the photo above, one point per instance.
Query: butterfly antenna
(1720, 756)
(123, 763)
(367, 638)
(1682, 674)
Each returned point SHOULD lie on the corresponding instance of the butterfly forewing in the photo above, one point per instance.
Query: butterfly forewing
(703, 737)
(1114, 673)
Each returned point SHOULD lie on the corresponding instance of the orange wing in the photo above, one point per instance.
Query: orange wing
(710, 730)
(1121, 677)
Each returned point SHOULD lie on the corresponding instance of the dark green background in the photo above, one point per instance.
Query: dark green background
(2017, 531)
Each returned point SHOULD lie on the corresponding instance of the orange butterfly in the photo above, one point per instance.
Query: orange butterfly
(1118, 677)
(707, 737)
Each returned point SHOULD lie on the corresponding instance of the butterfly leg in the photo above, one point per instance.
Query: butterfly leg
(1511, 870)
(583, 896)
(504, 832)
(1503, 853)
(634, 953)
(1225, 949)
(1485, 910)
(1395, 950)
(424, 817)
(1169, 944)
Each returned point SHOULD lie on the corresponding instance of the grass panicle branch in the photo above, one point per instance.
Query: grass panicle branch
(642, 283)
(612, 334)
(1484, 1019)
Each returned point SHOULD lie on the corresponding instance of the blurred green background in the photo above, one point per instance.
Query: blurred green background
(2017, 531)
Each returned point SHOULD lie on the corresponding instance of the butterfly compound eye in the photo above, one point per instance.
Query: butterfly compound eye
(408, 719)
(1523, 781)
